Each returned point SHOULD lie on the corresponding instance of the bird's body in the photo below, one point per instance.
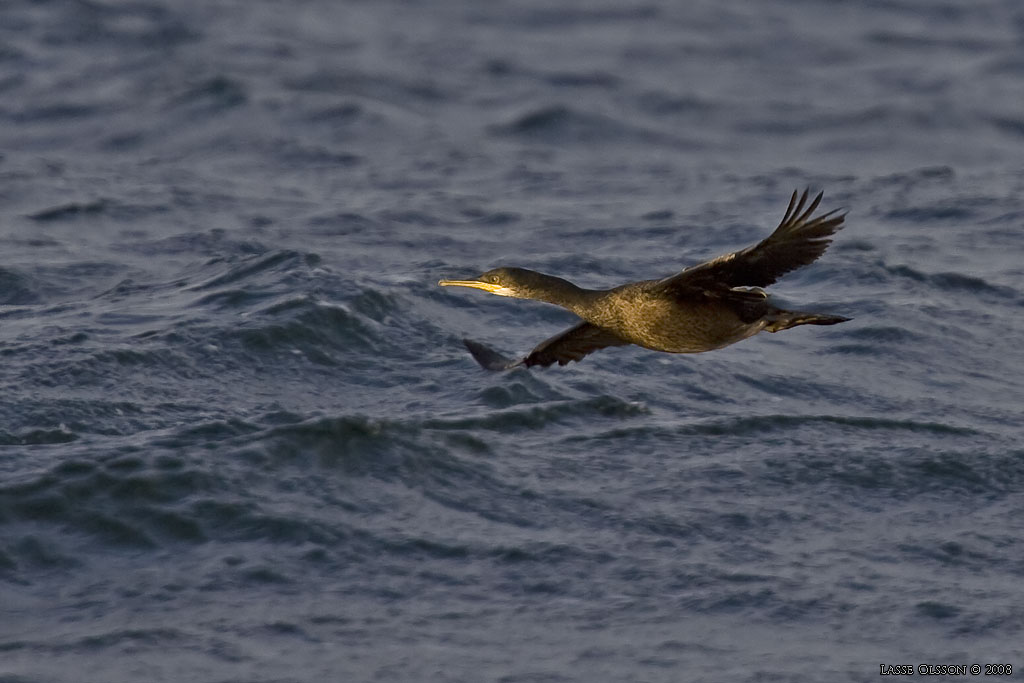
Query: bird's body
(641, 315)
(702, 308)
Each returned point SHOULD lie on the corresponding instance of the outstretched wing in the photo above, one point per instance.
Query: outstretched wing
(798, 241)
(573, 344)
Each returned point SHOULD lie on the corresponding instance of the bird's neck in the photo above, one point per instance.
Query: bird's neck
(555, 290)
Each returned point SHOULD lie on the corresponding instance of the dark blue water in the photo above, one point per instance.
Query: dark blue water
(240, 439)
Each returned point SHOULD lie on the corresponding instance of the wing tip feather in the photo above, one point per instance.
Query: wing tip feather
(488, 358)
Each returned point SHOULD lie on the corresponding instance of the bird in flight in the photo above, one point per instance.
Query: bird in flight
(705, 307)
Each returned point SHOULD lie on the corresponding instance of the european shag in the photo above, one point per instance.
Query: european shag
(705, 307)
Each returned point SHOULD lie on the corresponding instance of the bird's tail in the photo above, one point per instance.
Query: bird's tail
(783, 320)
(488, 358)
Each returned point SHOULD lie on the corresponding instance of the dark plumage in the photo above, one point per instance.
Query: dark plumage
(702, 308)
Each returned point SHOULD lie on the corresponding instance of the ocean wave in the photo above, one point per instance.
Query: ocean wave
(563, 124)
(539, 416)
(958, 211)
(568, 16)
(18, 288)
(37, 437)
(123, 500)
(210, 96)
(101, 207)
(768, 423)
(878, 340)
(912, 470)
(65, 112)
(360, 444)
(335, 223)
(143, 24)
(317, 329)
(250, 267)
(764, 425)
(382, 86)
(952, 281)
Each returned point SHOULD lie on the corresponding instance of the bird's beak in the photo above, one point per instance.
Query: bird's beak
(500, 290)
(475, 284)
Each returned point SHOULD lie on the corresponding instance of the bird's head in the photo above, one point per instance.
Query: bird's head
(515, 282)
